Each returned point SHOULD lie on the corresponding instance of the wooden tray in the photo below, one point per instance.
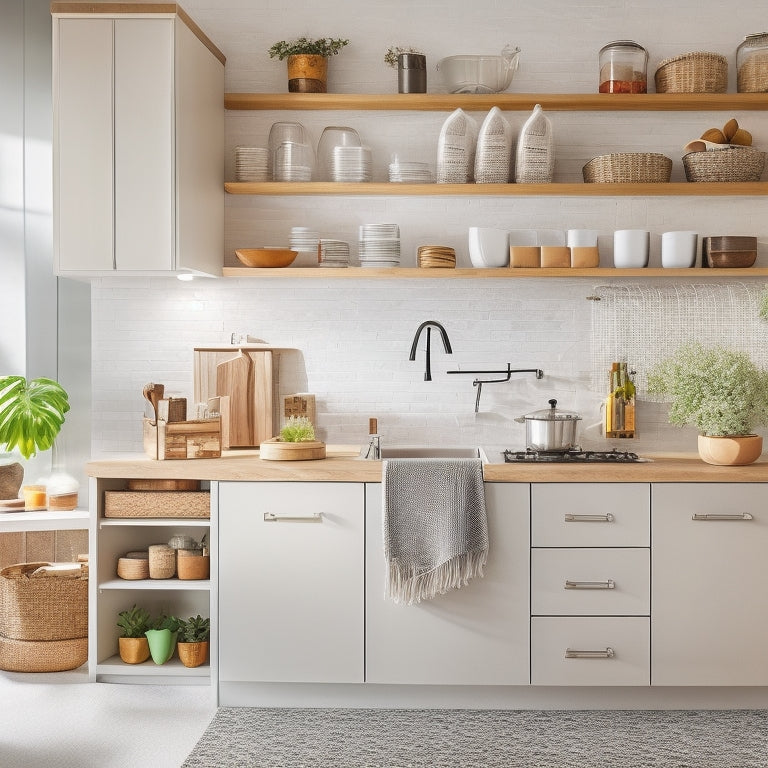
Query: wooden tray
(275, 449)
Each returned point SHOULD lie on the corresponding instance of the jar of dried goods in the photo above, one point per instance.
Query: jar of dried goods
(623, 67)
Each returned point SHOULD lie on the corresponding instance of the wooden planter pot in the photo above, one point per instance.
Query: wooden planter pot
(193, 654)
(307, 73)
(733, 451)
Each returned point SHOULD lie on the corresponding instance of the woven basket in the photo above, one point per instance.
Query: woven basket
(191, 564)
(162, 561)
(134, 565)
(735, 164)
(42, 608)
(42, 655)
(628, 167)
(157, 504)
(696, 72)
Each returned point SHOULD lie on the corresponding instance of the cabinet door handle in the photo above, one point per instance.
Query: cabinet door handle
(738, 518)
(292, 517)
(608, 584)
(606, 518)
(570, 653)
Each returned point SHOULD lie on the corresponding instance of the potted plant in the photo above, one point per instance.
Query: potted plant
(161, 636)
(722, 393)
(193, 639)
(411, 65)
(133, 644)
(307, 61)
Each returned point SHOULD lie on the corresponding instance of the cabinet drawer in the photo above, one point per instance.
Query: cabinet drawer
(590, 582)
(590, 651)
(590, 514)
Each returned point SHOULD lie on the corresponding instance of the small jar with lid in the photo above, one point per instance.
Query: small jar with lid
(752, 64)
(623, 67)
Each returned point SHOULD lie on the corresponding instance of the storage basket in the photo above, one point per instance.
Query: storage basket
(628, 167)
(192, 564)
(734, 164)
(157, 504)
(45, 607)
(162, 561)
(133, 565)
(696, 72)
(42, 655)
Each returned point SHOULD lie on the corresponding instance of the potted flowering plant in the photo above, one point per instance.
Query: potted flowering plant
(307, 60)
(722, 393)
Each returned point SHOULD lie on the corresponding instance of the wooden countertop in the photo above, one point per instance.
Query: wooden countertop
(342, 465)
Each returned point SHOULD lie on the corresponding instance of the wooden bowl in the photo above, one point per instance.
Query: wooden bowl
(266, 257)
(729, 251)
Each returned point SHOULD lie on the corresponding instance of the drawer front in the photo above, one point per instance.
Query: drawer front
(590, 514)
(590, 651)
(590, 582)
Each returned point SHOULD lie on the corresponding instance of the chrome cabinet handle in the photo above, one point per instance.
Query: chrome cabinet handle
(608, 584)
(607, 518)
(291, 517)
(608, 653)
(739, 518)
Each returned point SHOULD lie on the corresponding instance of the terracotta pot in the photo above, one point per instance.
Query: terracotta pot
(730, 450)
(133, 650)
(307, 73)
(193, 654)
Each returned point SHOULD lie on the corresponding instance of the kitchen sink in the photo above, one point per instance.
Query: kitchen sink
(429, 452)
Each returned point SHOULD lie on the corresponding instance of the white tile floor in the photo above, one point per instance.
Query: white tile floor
(61, 720)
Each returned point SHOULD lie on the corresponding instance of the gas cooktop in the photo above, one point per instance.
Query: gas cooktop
(574, 455)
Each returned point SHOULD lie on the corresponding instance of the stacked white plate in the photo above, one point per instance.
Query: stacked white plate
(251, 164)
(305, 240)
(334, 253)
(406, 172)
(379, 245)
(351, 164)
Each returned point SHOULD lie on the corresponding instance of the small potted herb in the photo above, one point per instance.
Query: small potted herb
(297, 441)
(132, 644)
(193, 639)
(411, 65)
(307, 60)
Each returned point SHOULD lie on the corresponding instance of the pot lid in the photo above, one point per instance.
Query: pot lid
(552, 414)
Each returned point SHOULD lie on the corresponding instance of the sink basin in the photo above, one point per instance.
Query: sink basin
(429, 452)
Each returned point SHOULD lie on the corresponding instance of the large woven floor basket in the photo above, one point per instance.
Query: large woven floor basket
(696, 72)
(628, 167)
(735, 164)
(43, 618)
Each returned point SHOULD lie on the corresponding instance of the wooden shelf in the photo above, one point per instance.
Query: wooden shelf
(293, 188)
(443, 102)
(396, 273)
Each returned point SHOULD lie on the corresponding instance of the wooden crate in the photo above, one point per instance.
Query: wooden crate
(200, 439)
(176, 504)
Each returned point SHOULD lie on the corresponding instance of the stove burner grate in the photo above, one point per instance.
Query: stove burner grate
(575, 455)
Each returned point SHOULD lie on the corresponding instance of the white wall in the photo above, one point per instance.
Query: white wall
(353, 336)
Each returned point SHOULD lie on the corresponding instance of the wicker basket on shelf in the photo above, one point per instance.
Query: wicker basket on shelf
(697, 72)
(133, 565)
(162, 561)
(734, 164)
(628, 167)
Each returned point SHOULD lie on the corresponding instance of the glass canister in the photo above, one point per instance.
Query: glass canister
(623, 67)
(752, 64)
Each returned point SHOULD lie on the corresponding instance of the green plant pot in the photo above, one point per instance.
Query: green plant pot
(162, 644)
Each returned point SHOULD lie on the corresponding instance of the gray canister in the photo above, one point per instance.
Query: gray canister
(411, 73)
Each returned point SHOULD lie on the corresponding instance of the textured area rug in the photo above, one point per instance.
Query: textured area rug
(381, 738)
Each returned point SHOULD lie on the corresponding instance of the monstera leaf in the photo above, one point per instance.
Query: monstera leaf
(31, 413)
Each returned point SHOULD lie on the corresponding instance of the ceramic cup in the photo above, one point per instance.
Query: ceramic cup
(581, 238)
(631, 248)
(488, 247)
(678, 249)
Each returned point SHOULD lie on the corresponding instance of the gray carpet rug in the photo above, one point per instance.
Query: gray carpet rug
(244, 737)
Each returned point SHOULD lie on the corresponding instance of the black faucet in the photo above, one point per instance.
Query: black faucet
(429, 324)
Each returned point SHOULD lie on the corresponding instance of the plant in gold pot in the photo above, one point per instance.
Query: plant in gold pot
(722, 393)
(132, 644)
(307, 60)
(192, 642)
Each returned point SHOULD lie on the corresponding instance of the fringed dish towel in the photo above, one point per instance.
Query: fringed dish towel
(434, 524)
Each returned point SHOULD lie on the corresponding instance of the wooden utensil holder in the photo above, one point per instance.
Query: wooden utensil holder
(199, 439)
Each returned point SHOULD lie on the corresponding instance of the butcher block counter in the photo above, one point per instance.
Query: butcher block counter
(343, 464)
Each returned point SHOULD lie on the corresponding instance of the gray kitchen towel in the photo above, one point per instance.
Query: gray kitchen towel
(435, 526)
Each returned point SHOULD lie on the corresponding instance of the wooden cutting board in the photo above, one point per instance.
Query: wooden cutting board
(234, 378)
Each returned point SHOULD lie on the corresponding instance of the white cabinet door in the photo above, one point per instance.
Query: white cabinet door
(709, 574)
(291, 572)
(476, 635)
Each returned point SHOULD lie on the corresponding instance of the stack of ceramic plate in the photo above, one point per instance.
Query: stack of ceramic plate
(379, 245)
(410, 173)
(436, 257)
(351, 164)
(251, 163)
(305, 240)
(333, 253)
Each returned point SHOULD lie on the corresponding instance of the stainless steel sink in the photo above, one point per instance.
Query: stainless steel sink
(429, 452)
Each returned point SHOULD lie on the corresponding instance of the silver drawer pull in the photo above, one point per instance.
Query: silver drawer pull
(607, 518)
(291, 517)
(742, 516)
(609, 584)
(606, 654)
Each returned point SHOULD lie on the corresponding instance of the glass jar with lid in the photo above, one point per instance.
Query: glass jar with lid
(752, 64)
(623, 67)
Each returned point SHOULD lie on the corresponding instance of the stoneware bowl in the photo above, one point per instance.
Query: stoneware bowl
(266, 257)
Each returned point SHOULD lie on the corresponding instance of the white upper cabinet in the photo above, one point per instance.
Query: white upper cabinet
(138, 147)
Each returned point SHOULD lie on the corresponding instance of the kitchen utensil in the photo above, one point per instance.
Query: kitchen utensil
(154, 393)
(267, 257)
(479, 74)
(678, 249)
(550, 429)
(233, 378)
(631, 248)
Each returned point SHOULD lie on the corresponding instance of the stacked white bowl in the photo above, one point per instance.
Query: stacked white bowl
(379, 245)
(251, 163)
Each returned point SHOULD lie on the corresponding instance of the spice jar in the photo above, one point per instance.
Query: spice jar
(623, 67)
(752, 64)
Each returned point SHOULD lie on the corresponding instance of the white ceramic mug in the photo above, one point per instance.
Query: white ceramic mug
(631, 248)
(678, 249)
(582, 238)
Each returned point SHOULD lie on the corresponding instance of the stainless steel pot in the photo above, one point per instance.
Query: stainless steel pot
(550, 429)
